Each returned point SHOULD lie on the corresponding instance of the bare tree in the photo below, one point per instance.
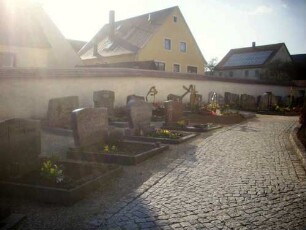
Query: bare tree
(210, 67)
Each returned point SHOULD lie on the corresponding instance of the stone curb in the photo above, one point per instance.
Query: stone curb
(298, 146)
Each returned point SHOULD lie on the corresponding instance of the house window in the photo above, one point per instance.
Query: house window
(192, 69)
(174, 18)
(176, 68)
(7, 60)
(160, 66)
(231, 74)
(167, 44)
(257, 73)
(246, 73)
(183, 47)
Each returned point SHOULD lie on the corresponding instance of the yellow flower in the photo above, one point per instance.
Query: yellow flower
(106, 148)
(52, 171)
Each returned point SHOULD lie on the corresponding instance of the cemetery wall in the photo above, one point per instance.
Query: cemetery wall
(25, 93)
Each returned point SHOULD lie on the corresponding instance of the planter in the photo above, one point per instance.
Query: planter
(226, 119)
(83, 179)
(128, 153)
(199, 128)
(184, 136)
(277, 113)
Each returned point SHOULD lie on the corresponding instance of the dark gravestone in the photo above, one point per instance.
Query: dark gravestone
(104, 98)
(267, 101)
(231, 99)
(139, 114)
(248, 102)
(220, 100)
(173, 97)
(173, 112)
(59, 111)
(90, 126)
(20, 145)
(135, 98)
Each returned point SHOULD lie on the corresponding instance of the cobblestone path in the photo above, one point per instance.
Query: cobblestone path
(245, 177)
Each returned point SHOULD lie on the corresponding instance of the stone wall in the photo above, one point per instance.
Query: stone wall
(25, 93)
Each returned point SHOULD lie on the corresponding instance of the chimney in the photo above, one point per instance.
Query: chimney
(95, 50)
(253, 44)
(111, 24)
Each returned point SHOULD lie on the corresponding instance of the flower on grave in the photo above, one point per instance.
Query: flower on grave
(165, 133)
(181, 123)
(114, 148)
(51, 171)
(106, 148)
(110, 148)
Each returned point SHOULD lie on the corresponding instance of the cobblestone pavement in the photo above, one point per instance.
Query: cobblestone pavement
(247, 177)
(240, 177)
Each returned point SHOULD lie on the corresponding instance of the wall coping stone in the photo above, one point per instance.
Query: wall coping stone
(40, 73)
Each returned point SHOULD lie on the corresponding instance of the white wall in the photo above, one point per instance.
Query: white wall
(25, 94)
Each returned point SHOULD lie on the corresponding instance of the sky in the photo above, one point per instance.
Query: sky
(217, 25)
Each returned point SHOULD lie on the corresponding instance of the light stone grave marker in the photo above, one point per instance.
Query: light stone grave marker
(20, 146)
(104, 98)
(59, 111)
(173, 112)
(90, 126)
(140, 114)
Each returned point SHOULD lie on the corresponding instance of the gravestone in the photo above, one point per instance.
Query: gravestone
(198, 99)
(231, 99)
(212, 97)
(134, 97)
(195, 102)
(104, 98)
(59, 111)
(90, 126)
(173, 97)
(221, 100)
(287, 101)
(20, 145)
(173, 112)
(139, 115)
(248, 102)
(267, 101)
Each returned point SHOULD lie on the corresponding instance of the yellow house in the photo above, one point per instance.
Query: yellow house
(29, 39)
(162, 37)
